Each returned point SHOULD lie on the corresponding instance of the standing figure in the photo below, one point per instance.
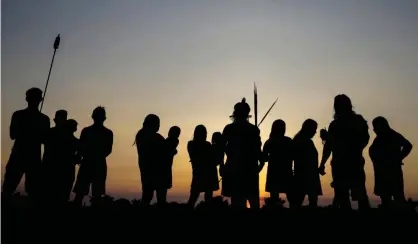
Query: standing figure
(29, 128)
(387, 152)
(172, 141)
(96, 143)
(243, 150)
(152, 154)
(205, 173)
(306, 178)
(347, 137)
(66, 170)
(278, 151)
(54, 155)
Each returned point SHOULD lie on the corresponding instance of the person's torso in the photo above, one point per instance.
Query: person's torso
(280, 153)
(32, 128)
(95, 142)
(306, 156)
(348, 134)
(387, 149)
(200, 154)
(151, 149)
(243, 146)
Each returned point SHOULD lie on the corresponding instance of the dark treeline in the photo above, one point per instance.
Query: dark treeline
(230, 160)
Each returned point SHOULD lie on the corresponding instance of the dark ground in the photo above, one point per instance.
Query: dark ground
(121, 221)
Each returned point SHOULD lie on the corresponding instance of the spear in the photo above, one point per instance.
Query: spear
(255, 104)
(56, 46)
(268, 111)
(255, 111)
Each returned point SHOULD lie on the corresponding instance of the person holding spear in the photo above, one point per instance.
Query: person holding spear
(28, 129)
(243, 149)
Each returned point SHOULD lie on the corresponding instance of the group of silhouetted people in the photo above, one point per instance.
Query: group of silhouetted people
(293, 164)
(51, 177)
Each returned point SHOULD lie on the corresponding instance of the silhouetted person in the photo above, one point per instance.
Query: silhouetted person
(387, 152)
(218, 150)
(152, 160)
(54, 155)
(66, 169)
(205, 173)
(96, 143)
(243, 150)
(347, 137)
(28, 129)
(171, 142)
(278, 150)
(54, 136)
(306, 175)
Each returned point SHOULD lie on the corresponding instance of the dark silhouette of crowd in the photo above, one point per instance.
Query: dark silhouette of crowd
(293, 169)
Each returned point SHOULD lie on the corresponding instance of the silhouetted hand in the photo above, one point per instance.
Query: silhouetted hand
(323, 134)
(321, 170)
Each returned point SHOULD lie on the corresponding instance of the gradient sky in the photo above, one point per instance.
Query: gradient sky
(190, 61)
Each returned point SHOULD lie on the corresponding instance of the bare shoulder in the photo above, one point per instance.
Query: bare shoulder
(108, 131)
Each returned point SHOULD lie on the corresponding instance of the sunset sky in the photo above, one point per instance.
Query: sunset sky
(190, 61)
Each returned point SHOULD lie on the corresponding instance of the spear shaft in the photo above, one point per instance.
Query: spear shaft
(56, 46)
(255, 104)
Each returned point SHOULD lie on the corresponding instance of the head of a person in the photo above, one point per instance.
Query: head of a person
(342, 106)
(241, 111)
(380, 125)
(60, 117)
(217, 138)
(278, 128)
(72, 125)
(99, 115)
(151, 123)
(308, 129)
(174, 132)
(34, 97)
(200, 133)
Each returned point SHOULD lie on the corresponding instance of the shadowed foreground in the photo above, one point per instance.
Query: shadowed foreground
(123, 219)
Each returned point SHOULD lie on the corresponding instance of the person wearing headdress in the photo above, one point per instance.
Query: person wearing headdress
(243, 150)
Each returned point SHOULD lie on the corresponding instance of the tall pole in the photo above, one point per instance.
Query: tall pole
(56, 46)
(255, 104)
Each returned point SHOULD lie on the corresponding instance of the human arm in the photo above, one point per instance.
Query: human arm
(327, 149)
(46, 130)
(261, 158)
(109, 144)
(14, 126)
(406, 147)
